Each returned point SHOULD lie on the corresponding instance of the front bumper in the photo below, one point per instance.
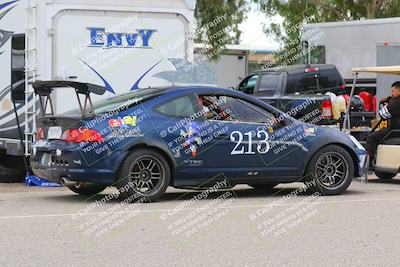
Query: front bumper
(54, 160)
(362, 162)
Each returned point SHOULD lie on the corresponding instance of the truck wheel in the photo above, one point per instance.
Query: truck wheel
(87, 189)
(12, 169)
(144, 176)
(385, 175)
(331, 170)
(266, 186)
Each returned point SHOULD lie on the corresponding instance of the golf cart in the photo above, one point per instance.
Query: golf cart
(387, 163)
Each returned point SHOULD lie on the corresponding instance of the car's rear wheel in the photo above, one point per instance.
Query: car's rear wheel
(385, 175)
(144, 176)
(264, 186)
(87, 189)
(331, 170)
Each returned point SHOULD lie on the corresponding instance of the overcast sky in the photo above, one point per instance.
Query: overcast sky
(252, 30)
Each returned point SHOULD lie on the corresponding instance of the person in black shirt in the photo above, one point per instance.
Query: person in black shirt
(391, 112)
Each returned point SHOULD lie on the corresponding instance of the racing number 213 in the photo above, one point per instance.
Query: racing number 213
(240, 149)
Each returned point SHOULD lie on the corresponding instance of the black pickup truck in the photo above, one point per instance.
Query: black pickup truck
(298, 90)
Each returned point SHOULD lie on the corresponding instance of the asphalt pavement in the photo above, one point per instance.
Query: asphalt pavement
(287, 226)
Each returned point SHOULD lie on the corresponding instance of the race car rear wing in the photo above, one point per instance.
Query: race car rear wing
(44, 89)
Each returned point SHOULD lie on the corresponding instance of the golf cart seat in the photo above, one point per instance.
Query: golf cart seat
(388, 156)
(392, 141)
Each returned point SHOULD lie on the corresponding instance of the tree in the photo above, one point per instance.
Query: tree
(218, 23)
(297, 12)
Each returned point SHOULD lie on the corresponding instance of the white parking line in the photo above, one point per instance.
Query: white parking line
(190, 209)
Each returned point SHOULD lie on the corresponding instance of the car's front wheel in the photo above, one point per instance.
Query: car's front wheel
(144, 176)
(85, 189)
(331, 170)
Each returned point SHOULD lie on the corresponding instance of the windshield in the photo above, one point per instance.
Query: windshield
(121, 102)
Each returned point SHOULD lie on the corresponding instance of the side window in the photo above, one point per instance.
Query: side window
(226, 108)
(268, 84)
(179, 107)
(247, 85)
(216, 108)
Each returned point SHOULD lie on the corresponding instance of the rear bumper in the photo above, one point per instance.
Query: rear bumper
(54, 174)
(54, 161)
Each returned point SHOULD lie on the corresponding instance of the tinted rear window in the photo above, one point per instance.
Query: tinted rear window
(330, 80)
(318, 82)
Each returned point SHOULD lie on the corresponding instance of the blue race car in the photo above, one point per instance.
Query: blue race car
(186, 137)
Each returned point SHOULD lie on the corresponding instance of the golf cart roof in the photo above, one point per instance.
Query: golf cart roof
(394, 70)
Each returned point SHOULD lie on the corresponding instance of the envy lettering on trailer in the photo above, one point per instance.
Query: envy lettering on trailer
(100, 38)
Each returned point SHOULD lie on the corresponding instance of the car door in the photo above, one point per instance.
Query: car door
(179, 126)
(242, 139)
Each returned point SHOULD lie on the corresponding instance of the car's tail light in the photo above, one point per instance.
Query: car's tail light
(311, 70)
(82, 135)
(39, 133)
(327, 109)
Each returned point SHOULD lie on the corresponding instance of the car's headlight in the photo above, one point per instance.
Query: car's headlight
(355, 141)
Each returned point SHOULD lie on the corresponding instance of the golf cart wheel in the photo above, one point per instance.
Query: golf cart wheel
(266, 186)
(87, 189)
(144, 176)
(385, 175)
(331, 170)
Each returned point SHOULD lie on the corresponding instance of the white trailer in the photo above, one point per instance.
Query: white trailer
(388, 54)
(120, 44)
(349, 43)
(231, 68)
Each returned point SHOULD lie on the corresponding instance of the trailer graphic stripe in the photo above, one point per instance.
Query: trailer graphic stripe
(136, 85)
(7, 4)
(106, 84)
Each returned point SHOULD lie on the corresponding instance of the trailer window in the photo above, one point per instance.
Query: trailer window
(318, 55)
(18, 67)
(18, 58)
(314, 55)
